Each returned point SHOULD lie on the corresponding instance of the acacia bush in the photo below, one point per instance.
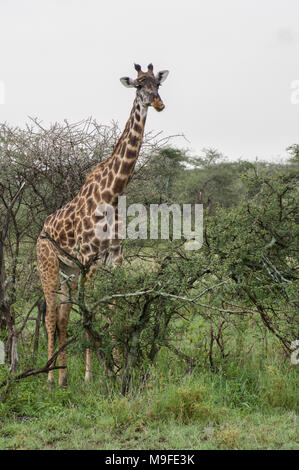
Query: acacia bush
(256, 246)
(224, 297)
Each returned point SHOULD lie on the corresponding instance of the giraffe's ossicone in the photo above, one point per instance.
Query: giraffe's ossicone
(78, 225)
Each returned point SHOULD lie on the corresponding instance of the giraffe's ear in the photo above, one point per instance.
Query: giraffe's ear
(161, 76)
(128, 82)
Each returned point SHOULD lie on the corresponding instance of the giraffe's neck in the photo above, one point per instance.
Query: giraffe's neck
(125, 154)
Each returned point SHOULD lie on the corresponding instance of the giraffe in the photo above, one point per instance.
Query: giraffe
(74, 226)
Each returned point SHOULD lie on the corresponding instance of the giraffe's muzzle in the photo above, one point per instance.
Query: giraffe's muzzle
(157, 104)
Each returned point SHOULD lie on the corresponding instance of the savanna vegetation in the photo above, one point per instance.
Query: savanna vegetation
(198, 353)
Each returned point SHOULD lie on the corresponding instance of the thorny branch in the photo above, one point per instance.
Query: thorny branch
(30, 372)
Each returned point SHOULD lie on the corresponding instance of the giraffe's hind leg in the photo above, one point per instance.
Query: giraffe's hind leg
(66, 294)
(49, 274)
(62, 323)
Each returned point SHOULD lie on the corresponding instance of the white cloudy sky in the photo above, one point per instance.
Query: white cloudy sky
(231, 66)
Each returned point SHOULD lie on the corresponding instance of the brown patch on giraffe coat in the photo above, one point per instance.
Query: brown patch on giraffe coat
(91, 205)
(116, 164)
(97, 194)
(68, 225)
(58, 225)
(103, 183)
(71, 242)
(137, 128)
(126, 167)
(79, 228)
(110, 178)
(62, 237)
(107, 196)
(131, 153)
(85, 249)
(90, 189)
(119, 185)
(133, 140)
(123, 149)
(82, 211)
(87, 236)
(87, 223)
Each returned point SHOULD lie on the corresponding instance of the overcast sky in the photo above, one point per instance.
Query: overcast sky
(232, 64)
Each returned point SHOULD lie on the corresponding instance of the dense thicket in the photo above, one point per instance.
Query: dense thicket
(243, 279)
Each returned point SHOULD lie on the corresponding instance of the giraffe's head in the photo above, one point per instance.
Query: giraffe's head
(147, 85)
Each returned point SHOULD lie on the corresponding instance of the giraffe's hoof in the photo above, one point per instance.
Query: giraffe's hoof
(63, 382)
(51, 383)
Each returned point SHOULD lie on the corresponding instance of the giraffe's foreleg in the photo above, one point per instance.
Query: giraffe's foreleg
(62, 324)
(88, 352)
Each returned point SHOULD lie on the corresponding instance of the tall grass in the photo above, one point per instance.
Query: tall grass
(248, 406)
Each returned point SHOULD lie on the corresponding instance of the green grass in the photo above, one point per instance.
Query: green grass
(248, 407)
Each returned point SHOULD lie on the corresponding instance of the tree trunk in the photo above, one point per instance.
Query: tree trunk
(8, 316)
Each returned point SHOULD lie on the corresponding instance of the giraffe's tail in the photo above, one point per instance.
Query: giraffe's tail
(44, 313)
